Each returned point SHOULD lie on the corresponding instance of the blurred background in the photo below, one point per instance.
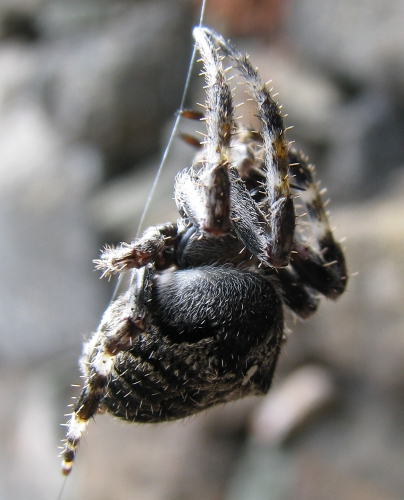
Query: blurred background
(88, 94)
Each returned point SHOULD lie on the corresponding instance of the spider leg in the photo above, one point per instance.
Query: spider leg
(248, 220)
(125, 319)
(214, 175)
(323, 268)
(155, 245)
(279, 208)
(297, 295)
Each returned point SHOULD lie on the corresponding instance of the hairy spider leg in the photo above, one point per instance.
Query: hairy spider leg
(243, 153)
(205, 197)
(155, 245)
(279, 208)
(323, 268)
(220, 126)
(125, 319)
(122, 322)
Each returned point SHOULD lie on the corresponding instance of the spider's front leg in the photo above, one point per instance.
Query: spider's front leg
(212, 193)
(278, 208)
(125, 319)
(215, 198)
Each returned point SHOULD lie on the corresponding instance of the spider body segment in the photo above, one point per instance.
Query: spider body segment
(202, 322)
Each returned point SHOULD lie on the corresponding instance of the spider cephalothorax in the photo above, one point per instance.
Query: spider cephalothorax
(202, 321)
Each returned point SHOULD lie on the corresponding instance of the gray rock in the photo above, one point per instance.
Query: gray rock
(351, 39)
(48, 290)
(115, 81)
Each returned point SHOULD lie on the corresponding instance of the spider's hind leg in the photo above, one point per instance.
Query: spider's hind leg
(124, 320)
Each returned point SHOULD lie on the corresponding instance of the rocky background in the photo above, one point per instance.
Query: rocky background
(88, 92)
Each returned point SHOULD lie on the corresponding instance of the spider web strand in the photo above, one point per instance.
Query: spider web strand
(167, 149)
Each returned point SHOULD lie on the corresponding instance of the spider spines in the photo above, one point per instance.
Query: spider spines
(328, 264)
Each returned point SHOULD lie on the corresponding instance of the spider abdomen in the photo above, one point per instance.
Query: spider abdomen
(215, 336)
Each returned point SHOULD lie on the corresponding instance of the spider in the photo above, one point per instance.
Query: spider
(202, 322)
